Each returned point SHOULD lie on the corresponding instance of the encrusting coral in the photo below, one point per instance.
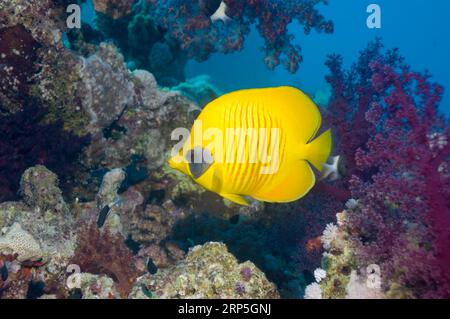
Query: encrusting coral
(208, 271)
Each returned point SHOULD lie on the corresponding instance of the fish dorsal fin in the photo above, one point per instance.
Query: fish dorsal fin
(238, 199)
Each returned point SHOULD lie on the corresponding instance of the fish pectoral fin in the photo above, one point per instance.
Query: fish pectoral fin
(238, 199)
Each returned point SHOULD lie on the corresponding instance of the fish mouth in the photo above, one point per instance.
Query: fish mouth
(171, 162)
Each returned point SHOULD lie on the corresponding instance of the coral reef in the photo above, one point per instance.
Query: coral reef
(39, 239)
(191, 25)
(86, 130)
(144, 43)
(268, 237)
(161, 36)
(109, 188)
(18, 54)
(208, 271)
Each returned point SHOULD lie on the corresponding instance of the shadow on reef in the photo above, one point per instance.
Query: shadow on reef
(27, 141)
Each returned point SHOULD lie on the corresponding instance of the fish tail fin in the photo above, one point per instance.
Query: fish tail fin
(318, 150)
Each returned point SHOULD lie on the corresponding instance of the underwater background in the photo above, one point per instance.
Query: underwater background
(89, 207)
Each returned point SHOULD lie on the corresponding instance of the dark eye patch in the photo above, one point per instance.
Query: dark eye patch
(199, 160)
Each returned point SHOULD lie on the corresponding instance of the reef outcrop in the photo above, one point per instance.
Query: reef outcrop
(208, 271)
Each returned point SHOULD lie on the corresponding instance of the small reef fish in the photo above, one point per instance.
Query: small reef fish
(258, 143)
(104, 213)
(4, 272)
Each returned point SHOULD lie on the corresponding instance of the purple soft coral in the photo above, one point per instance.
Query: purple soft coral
(387, 117)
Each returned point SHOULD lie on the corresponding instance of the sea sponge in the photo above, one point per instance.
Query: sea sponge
(20, 242)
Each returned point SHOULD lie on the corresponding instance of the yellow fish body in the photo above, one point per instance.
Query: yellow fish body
(259, 143)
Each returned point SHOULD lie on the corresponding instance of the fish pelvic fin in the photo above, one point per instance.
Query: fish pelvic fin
(318, 150)
(238, 199)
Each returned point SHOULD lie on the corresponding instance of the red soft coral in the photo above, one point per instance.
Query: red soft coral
(100, 252)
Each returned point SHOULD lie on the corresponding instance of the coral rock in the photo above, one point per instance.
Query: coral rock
(110, 186)
(155, 223)
(97, 287)
(209, 271)
(39, 188)
(116, 9)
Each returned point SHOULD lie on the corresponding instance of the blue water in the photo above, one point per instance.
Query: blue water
(419, 28)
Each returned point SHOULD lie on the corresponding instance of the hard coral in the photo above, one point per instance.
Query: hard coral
(20, 242)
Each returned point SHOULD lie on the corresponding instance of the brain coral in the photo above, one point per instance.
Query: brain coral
(20, 242)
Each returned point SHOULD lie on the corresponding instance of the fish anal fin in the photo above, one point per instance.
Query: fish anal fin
(238, 199)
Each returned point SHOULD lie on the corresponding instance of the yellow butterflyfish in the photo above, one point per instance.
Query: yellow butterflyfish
(258, 143)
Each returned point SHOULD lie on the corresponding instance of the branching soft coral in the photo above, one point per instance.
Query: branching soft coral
(189, 22)
(100, 252)
(389, 127)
